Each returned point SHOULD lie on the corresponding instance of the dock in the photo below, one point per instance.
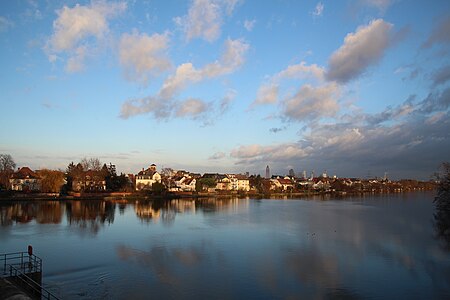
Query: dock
(21, 277)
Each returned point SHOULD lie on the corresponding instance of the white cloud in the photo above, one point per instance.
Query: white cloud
(311, 103)
(75, 63)
(5, 24)
(191, 108)
(249, 24)
(267, 94)
(255, 153)
(133, 107)
(302, 71)
(163, 104)
(205, 18)
(318, 11)
(75, 25)
(142, 55)
(232, 58)
(360, 50)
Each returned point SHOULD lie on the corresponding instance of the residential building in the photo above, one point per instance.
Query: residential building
(146, 178)
(25, 180)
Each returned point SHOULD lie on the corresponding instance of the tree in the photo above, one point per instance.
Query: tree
(51, 181)
(93, 164)
(203, 183)
(442, 205)
(7, 166)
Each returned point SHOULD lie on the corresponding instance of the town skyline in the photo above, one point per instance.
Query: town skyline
(353, 88)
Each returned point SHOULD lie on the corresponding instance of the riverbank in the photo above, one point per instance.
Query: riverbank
(18, 196)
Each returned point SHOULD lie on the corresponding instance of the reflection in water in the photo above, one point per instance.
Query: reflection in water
(367, 247)
(90, 214)
(44, 212)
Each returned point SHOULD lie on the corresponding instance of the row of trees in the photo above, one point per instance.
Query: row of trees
(98, 172)
(53, 181)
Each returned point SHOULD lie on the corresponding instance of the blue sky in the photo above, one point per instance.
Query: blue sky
(355, 88)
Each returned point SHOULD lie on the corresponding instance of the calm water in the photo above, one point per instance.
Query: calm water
(370, 247)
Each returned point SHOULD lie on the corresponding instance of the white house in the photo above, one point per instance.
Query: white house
(146, 178)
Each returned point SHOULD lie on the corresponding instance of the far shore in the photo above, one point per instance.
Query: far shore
(18, 196)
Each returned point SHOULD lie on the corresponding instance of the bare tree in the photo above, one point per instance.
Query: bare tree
(7, 166)
(92, 163)
(7, 163)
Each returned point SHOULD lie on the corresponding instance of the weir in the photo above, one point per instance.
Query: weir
(21, 276)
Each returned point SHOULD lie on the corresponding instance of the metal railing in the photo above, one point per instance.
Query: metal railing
(21, 260)
(18, 266)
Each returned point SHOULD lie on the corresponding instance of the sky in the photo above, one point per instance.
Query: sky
(351, 88)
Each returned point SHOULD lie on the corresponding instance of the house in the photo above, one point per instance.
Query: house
(185, 183)
(239, 182)
(146, 178)
(285, 184)
(25, 180)
(223, 183)
(89, 181)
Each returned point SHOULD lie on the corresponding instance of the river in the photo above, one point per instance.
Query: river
(352, 248)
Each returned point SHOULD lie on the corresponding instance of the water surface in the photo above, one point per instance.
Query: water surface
(364, 247)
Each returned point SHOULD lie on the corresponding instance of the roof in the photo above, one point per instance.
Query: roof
(284, 181)
(23, 173)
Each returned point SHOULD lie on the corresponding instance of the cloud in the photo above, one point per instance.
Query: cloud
(360, 50)
(78, 26)
(311, 103)
(249, 24)
(217, 156)
(435, 101)
(232, 58)
(411, 139)
(441, 76)
(268, 93)
(251, 154)
(318, 11)
(302, 71)
(440, 34)
(75, 63)
(142, 55)
(276, 130)
(227, 100)
(5, 24)
(158, 108)
(163, 105)
(191, 108)
(205, 18)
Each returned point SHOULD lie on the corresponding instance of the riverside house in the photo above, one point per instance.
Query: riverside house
(25, 180)
(146, 178)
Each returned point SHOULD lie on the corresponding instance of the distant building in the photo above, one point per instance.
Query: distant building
(291, 173)
(267, 172)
